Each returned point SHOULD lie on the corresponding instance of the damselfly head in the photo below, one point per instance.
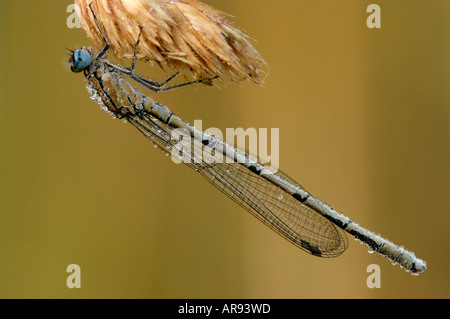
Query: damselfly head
(80, 60)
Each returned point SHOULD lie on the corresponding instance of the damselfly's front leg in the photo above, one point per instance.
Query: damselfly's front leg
(150, 84)
(106, 47)
(131, 71)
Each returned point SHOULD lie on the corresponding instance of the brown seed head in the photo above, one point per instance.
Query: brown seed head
(188, 35)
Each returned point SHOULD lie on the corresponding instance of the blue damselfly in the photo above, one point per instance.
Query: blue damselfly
(274, 198)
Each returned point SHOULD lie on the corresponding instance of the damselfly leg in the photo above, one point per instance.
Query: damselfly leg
(129, 71)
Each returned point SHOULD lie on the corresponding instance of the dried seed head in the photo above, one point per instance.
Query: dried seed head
(188, 35)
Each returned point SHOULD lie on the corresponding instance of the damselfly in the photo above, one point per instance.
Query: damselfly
(274, 198)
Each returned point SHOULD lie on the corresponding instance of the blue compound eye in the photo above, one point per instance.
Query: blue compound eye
(80, 60)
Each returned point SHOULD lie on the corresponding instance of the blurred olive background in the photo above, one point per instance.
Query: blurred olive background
(364, 125)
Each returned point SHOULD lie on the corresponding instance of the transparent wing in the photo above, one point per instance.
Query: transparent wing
(287, 216)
